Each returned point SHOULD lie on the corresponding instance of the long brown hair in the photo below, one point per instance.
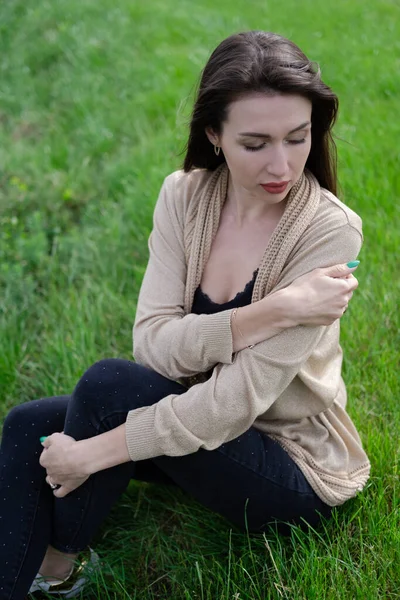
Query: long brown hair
(259, 61)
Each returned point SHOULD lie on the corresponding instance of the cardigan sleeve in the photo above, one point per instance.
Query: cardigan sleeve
(164, 338)
(220, 409)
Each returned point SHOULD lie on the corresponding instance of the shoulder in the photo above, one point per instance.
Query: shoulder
(333, 213)
(332, 219)
(180, 192)
(333, 236)
(183, 186)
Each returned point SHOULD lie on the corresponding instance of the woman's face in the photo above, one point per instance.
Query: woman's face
(266, 140)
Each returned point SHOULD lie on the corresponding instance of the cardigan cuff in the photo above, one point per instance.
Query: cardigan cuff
(140, 434)
(216, 334)
(147, 439)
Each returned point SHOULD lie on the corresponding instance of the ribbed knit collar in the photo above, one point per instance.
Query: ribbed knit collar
(300, 209)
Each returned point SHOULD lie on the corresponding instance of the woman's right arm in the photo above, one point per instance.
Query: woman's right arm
(316, 298)
(178, 345)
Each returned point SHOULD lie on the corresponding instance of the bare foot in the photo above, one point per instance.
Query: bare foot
(57, 565)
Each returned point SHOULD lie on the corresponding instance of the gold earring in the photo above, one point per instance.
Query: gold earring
(217, 150)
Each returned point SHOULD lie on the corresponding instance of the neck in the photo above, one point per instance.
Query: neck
(246, 208)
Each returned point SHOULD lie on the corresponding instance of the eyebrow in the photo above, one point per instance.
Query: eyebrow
(266, 135)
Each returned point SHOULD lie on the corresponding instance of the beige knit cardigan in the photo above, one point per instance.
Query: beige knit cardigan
(289, 386)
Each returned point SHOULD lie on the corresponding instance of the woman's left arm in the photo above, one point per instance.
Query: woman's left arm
(226, 405)
(220, 409)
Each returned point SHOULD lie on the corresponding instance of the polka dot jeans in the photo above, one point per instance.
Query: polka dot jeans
(250, 480)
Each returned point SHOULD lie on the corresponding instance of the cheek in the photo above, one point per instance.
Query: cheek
(301, 157)
(307, 149)
(250, 164)
(242, 162)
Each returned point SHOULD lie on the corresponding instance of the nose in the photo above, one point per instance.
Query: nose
(277, 165)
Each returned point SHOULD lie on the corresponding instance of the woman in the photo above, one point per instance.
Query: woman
(235, 396)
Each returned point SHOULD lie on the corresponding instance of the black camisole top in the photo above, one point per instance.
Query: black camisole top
(202, 303)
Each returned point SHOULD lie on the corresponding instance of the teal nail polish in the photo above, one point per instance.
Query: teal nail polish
(353, 263)
(43, 438)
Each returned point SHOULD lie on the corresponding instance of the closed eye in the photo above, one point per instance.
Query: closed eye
(294, 142)
(254, 148)
(291, 142)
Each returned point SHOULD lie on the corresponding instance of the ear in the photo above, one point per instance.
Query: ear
(212, 136)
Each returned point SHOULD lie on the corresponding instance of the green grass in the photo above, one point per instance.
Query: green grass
(94, 103)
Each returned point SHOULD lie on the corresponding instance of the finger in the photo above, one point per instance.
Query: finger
(67, 488)
(61, 492)
(46, 442)
(43, 459)
(50, 480)
(352, 283)
(340, 270)
(51, 483)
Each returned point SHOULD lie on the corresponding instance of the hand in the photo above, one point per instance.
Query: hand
(61, 464)
(321, 296)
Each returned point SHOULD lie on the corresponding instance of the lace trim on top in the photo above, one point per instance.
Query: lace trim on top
(202, 303)
(247, 286)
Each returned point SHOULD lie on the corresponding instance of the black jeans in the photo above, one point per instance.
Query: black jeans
(250, 480)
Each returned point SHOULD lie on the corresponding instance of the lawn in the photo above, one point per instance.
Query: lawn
(94, 103)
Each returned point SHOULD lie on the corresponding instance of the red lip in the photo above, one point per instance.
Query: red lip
(275, 188)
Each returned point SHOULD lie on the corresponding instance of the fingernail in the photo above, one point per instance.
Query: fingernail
(353, 263)
(43, 438)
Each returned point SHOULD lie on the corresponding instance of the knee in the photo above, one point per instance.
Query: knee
(17, 418)
(24, 423)
(104, 380)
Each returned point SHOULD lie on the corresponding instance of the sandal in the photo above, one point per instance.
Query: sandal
(74, 583)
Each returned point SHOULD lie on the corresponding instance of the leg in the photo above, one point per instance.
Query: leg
(252, 469)
(68, 524)
(100, 402)
(250, 480)
(25, 499)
